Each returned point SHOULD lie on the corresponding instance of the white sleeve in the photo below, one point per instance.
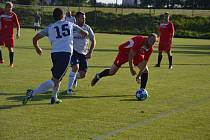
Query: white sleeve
(131, 43)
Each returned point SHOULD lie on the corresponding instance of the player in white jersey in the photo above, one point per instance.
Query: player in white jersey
(82, 52)
(60, 34)
(69, 17)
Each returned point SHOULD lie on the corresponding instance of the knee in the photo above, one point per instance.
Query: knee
(75, 68)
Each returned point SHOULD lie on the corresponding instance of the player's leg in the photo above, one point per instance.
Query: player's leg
(170, 59)
(60, 64)
(43, 88)
(160, 56)
(54, 97)
(1, 58)
(1, 44)
(9, 43)
(83, 66)
(144, 75)
(72, 77)
(106, 72)
(11, 56)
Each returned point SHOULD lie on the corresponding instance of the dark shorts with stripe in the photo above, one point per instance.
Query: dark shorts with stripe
(80, 59)
(60, 62)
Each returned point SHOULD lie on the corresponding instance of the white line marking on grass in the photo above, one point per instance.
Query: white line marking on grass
(179, 109)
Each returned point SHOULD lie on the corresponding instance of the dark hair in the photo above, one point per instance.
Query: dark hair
(57, 14)
(78, 14)
(9, 4)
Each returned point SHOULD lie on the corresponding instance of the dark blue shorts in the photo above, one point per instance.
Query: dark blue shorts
(60, 62)
(80, 59)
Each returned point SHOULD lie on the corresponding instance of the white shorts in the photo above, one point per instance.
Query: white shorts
(37, 24)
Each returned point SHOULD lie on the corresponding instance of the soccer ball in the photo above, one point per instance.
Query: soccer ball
(141, 94)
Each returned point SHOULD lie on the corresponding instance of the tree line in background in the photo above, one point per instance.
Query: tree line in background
(191, 4)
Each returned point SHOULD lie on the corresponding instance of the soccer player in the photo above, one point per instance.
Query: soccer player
(60, 34)
(81, 52)
(37, 21)
(69, 17)
(136, 51)
(7, 19)
(166, 34)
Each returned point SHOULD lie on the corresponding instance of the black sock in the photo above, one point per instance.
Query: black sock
(170, 60)
(159, 59)
(104, 73)
(11, 56)
(144, 78)
(1, 55)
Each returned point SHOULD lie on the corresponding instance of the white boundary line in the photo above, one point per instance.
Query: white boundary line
(179, 109)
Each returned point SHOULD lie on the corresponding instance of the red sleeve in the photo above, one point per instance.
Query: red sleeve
(16, 21)
(138, 42)
(148, 54)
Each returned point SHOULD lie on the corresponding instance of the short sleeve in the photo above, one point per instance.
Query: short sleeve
(44, 32)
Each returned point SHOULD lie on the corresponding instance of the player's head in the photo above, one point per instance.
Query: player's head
(152, 38)
(58, 14)
(68, 13)
(8, 6)
(80, 18)
(166, 17)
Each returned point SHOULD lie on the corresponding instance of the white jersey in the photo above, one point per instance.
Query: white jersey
(60, 34)
(80, 42)
(70, 19)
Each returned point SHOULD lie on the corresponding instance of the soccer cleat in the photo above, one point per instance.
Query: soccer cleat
(28, 96)
(11, 65)
(55, 101)
(75, 83)
(170, 67)
(95, 80)
(2, 61)
(69, 91)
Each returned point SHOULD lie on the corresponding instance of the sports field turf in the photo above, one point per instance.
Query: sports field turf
(178, 107)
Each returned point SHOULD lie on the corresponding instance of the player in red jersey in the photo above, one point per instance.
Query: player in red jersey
(8, 18)
(136, 51)
(166, 37)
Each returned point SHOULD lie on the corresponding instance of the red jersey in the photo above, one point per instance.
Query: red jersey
(166, 32)
(7, 22)
(137, 44)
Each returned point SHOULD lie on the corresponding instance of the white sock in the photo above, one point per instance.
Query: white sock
(72, 77)
(54, 92)
(44, 87)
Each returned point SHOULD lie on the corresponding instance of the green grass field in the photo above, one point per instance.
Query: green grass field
(178, 107)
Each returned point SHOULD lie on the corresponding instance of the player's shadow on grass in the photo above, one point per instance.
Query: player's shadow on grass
(129, 100)
(76, 96)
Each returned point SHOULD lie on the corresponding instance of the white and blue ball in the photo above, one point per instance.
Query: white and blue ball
(142, 94)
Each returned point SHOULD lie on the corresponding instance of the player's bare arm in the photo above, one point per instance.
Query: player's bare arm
(130, 62)
(36, 43)
(18, 33)
(92, 46)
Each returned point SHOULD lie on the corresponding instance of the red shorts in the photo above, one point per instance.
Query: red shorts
(122, 58)
(165, 47)
(7, 42)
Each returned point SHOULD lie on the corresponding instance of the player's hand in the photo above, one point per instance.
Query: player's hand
(39, 51)
(133, 72)
(17, 36)
(88, 55)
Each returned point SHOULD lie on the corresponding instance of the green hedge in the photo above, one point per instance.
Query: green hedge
(194, 27)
